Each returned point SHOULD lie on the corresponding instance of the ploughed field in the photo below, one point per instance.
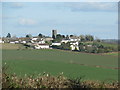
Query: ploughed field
(72, 64)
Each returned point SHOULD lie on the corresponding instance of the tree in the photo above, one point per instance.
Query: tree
(29, 36)
(97, 39)
(67, 36)
(89, 38)
(8, 35)
(63, 36)
(82, 37)
(58, 38)
(65, 46)
(71, 35)
(40, 35)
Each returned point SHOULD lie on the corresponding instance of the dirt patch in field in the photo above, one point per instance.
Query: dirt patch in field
(97, 66)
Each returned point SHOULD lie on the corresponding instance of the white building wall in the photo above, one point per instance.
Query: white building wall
(34, 38)
(23, 42)
(0, 40)
(12, 42)
(74, 46)
(56, 44)
(65, 41)
(42, 47)
(41, 42)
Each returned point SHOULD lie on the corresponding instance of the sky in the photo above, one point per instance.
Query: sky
(99, 19)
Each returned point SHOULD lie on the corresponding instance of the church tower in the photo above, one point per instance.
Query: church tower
(54, 34)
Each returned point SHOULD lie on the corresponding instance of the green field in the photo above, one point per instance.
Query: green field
(108, 45)
(11, 46)
(112, 54)
(72, 64)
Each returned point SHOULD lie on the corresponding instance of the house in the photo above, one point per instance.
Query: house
(56, 44)
(41, 46)
(74, 43)
(65, 41)
(16, 42)
(23, 42)
(74, 47)
(34, 38)
(41, 42)
(48, 39)
(89, 45)
(74, 38)
(1, 41)
(12, 42)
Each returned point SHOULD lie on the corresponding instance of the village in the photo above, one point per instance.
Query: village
(81, 43)
(41, 42)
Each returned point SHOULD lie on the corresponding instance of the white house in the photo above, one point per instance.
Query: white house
(75, 38)
(74, 43)
(23, 42)
(89, 45)
(41, 42)
(56, 44)
(1, 41)
(12, 42)
(73, 47)
(42, 46)
(34, 38)
(65, 41)
(16, 41)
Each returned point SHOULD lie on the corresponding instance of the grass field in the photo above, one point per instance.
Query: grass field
(11, 46)
(112, 54)
(72, 64)
(108, 45)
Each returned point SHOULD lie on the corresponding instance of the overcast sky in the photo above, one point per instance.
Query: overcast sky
(98, 19)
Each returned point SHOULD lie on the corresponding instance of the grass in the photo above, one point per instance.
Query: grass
(107, 44)
(72, 64)
(49, 81)
(112, 54)
(11, 46)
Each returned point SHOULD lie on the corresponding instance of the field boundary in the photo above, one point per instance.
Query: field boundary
(97, 66)
(99, 54)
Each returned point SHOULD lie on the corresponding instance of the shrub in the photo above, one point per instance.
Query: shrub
(48, 81)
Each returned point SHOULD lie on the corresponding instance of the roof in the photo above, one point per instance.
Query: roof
(43, 44)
